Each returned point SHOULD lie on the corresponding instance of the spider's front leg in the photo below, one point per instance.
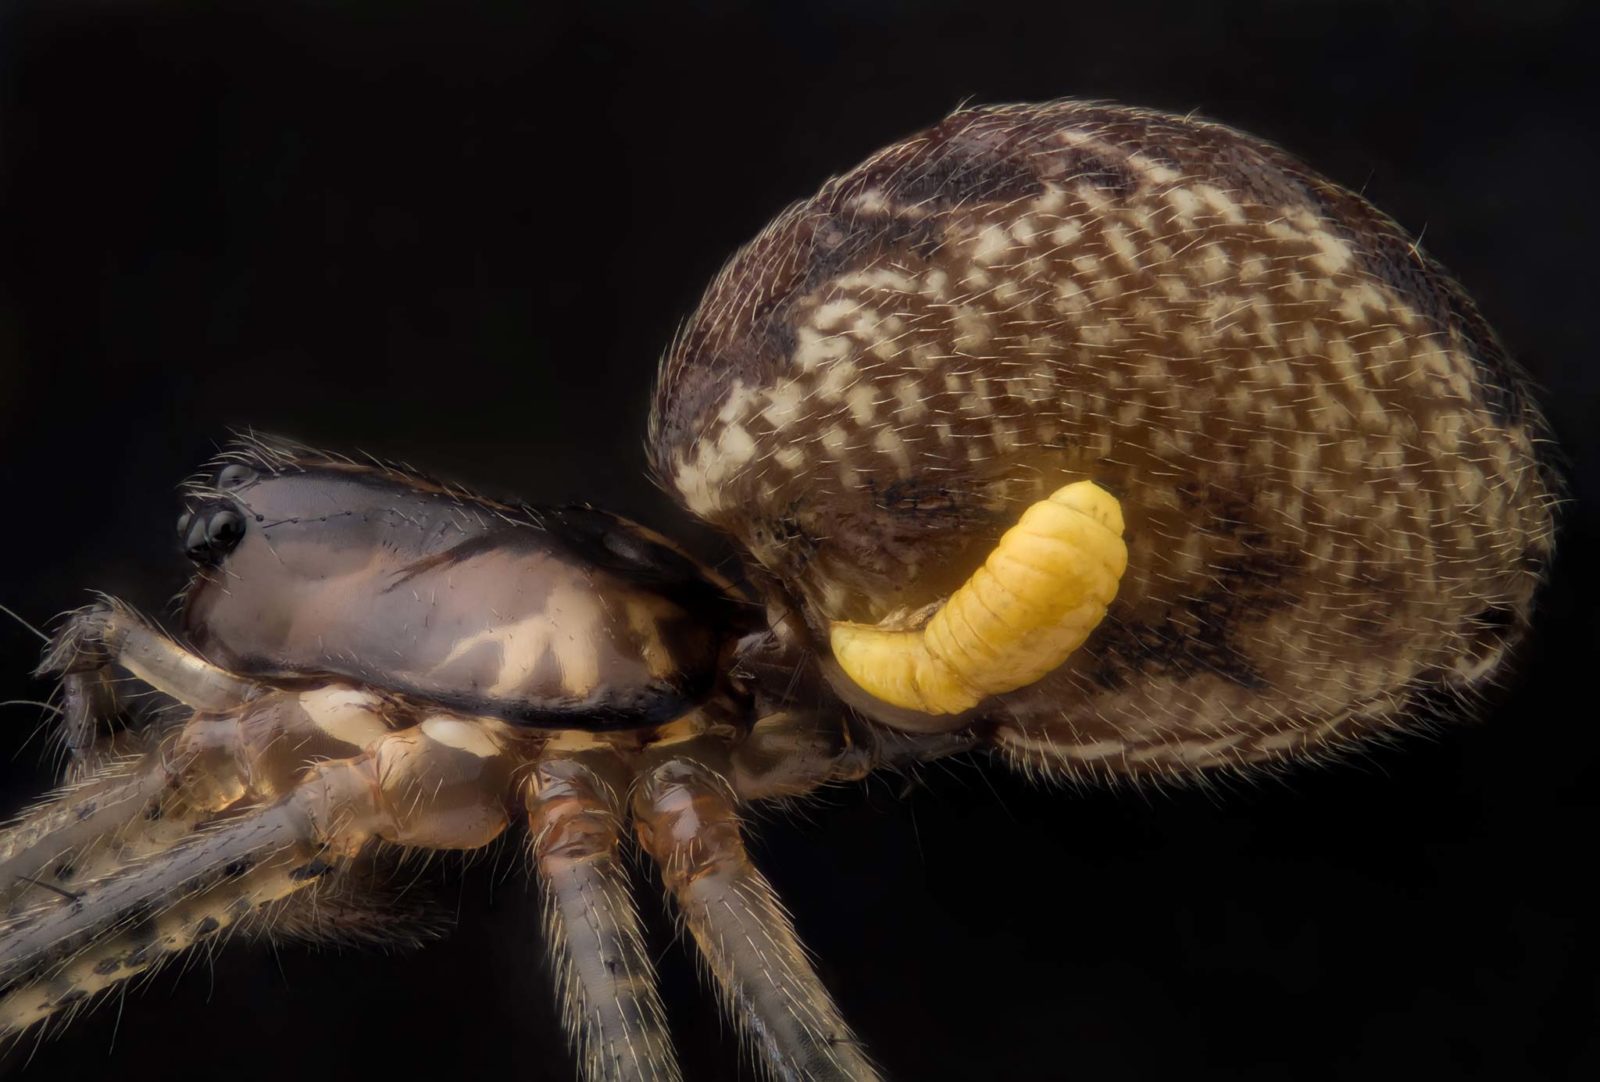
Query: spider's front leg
(112, 789)
(687, 816)
(444, 783)
(242, 742)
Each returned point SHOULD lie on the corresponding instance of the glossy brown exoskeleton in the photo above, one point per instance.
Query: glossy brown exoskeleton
(542, 617)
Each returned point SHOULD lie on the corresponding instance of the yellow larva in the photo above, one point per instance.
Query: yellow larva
(1043, 589)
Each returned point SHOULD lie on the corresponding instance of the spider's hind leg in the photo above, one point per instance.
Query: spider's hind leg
(688, 822)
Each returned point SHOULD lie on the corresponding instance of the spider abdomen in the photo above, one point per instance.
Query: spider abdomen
(1326, 463)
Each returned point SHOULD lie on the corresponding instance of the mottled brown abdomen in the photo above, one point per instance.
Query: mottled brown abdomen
(1328, 467)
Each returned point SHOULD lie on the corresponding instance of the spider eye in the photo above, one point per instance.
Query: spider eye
(235, 476)
(208, 538)
(225, 529)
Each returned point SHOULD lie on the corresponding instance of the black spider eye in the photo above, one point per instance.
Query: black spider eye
(224, 530)
(193, 536)
(235, 476)
(208, 538)
(185, 520)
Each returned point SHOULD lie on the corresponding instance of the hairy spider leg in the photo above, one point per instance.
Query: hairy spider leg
(107, 793)
(687, 819)
(88, 703)
(55, 961)
(187, 850)
(605, 981)
(70, 821)
(440, 784)
(210, 765)
(244, 743)
(790, 754)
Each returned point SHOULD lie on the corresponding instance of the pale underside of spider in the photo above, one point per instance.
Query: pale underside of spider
(1116, 443)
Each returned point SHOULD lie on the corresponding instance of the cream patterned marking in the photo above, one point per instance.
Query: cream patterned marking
(566, 631)
(1176, 310)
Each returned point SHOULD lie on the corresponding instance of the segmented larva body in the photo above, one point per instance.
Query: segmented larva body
(1037, 597)
(1334, 496)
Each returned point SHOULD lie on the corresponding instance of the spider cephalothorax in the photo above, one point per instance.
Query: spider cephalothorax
(326, 566)
(1116, 442)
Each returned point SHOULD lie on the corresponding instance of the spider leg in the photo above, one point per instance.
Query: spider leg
(123, 925)
(71, 821)
(688, 822)
(142, 805)
(604, 976)
(444, 783)
(360, 904)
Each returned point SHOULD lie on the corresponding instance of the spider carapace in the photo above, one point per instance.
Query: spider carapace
(1107, 442)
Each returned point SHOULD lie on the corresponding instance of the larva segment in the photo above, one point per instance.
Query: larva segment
(1038, 596)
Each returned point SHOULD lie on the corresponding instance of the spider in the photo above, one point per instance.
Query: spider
(1111, 443)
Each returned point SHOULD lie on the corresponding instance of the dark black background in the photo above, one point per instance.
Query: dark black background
(462, 235)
